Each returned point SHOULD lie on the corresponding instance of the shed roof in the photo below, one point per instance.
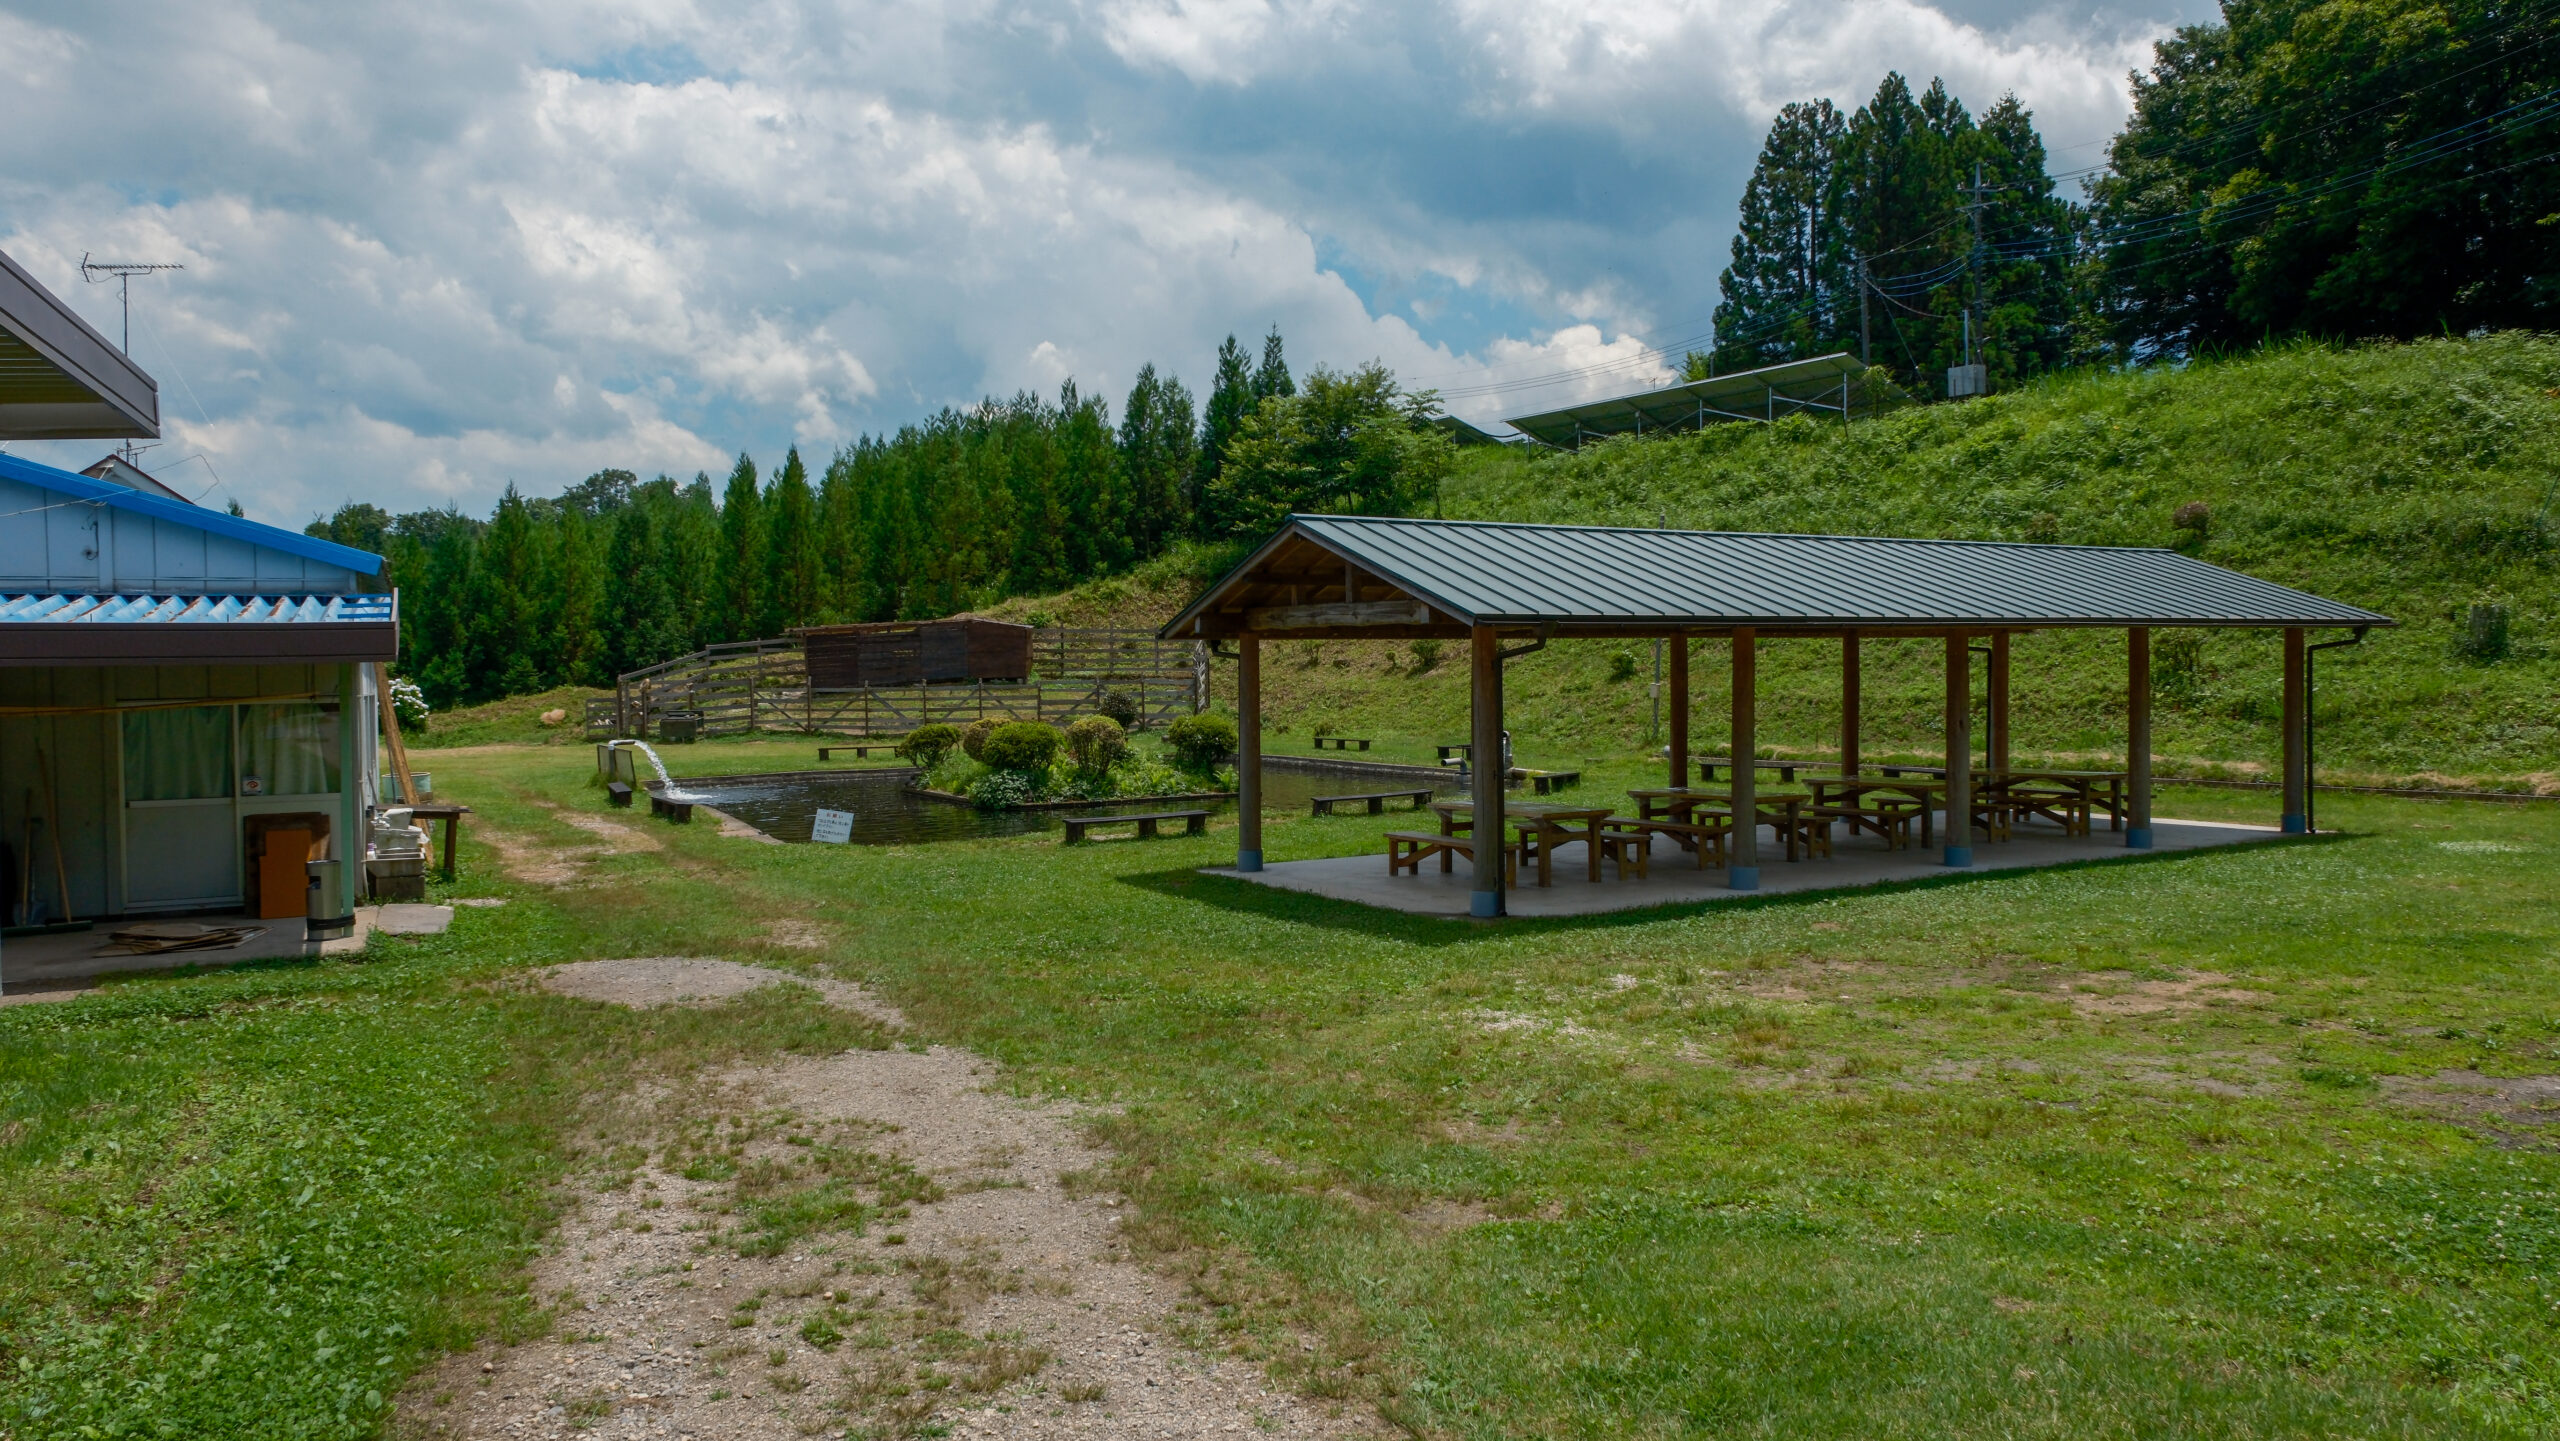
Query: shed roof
(1838, 383)
(179, 512)
(61, 380)
(1355, 575)
(63, 629)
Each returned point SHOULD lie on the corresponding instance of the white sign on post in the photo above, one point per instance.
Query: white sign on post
(833, 827)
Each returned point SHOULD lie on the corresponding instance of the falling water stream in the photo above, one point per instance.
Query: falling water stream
(667, 783)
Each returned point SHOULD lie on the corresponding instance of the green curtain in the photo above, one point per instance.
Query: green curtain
(177, 755)
(291, 749)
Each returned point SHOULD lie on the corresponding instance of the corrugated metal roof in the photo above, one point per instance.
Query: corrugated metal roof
(1482, 572)
(194, 609)
(291, 542)
(1771, 392)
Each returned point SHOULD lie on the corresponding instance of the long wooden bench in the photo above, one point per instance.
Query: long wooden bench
(1377, 800)
(1194, 823)
(1708, 765)
(1342, 743)
(861, 750)
(1407, 850)
(1547, 782)
(1705, 838)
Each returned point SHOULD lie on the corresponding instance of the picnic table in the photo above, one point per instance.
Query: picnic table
(1781, 811)
(1786, 769)
(1885, 805)
(1342, 743)
(452, 816)
(1542, 828)
(2067, 798)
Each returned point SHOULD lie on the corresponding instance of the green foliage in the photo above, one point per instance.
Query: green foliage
(1201, 743)
(1004, 790)
(1348, 444)
(1022, 746)
(1622, 665)
(926, 745)
(408, 705)
(1121, 707)
(2305, 167)
(973, 737)
(1231, 399)
(1426, 654)
(1097, 743)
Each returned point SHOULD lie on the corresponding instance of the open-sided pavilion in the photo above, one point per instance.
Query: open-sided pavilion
(1346, 577)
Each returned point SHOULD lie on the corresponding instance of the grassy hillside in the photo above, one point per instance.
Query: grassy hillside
(2410, 479)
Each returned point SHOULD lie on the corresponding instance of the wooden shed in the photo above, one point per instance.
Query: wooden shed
(896, 653)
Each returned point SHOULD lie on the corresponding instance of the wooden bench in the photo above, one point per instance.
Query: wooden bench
(681, 812)
(1890, 817)
(1193, 823)
(1342, 743)
(1407, 850)
(1705, 838)
(861, 750)
(1624, 848)
(1547, 782)
(1377, 800)
(618, 793)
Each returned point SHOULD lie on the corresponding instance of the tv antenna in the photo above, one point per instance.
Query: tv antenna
(123, 271)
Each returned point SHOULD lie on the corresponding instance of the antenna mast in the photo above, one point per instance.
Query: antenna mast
(123, 272)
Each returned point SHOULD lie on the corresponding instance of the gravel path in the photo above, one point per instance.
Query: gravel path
(985, 1293)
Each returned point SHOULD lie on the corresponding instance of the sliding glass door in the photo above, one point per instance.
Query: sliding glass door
(181, 838)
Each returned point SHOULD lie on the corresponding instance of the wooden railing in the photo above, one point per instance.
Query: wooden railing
(764, 685)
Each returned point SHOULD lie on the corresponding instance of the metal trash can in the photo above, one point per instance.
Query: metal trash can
(325, 916)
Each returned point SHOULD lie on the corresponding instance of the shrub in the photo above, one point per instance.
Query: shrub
(2485, 632)
(1426, 654)
(2194, 523)
(927, 745)
(1003, 790)
(1024, 746)
(1121, 707)
(1201, 742)
(973, 738)
(1622, 665)
(408, 704)
(1098, 743)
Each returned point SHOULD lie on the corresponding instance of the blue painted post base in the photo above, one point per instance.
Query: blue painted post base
(1484, 905)
(1959, 856)
(1248, 860)
(2294, 824)
(2137, 838)
(1743, 878)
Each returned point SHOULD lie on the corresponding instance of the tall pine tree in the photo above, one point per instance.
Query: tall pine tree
(795, 572)
(1231, 399)
(1157, 450)
(739, 612)
(1790, 284)
(1272, 376)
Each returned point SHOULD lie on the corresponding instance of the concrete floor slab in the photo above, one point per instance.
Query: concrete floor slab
(1676, 880)
(73, 955)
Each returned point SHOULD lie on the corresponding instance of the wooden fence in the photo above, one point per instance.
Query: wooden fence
(764, 685)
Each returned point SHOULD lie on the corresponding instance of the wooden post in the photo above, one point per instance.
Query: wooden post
(1742, 864)
(1959, 850)
(1679, 711)
(1850, 663)
(2297, 772)
(391, 735)
(1484, 767)
(1248, 754)
(2137, 707)
(1995, 746)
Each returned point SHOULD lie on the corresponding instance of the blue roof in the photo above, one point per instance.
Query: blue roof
(291, 542)
(60, 608)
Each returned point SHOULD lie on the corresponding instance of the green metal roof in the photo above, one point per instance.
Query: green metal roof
(1836, 384)
(1607, 579)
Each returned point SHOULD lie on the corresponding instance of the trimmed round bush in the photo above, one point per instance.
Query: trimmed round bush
(1026, 746)
(1097, 743)
(973, 738)
(1200, 743)
(1121, 707)
(927, 745)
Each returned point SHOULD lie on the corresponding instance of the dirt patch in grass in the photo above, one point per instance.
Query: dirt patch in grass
(869, 1243)
(2475, 1099)
(2192, 991)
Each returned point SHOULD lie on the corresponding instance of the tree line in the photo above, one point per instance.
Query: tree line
(1011, 497)
(2296, 168)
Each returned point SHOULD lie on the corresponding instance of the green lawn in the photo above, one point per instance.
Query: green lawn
(2141, 1149)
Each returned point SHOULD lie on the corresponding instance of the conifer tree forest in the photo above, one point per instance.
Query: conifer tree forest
(2298, 168)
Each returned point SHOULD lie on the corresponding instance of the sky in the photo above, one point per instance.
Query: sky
(431, 250)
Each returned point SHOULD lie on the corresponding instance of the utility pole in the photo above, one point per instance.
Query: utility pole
(1971, 378)
(1865, 347)
(123, 272)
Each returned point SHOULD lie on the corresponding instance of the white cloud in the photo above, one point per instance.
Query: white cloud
(433, 249)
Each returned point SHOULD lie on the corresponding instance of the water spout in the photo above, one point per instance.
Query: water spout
(666, 782)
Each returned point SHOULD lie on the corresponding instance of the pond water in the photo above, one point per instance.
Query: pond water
(886, 813)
